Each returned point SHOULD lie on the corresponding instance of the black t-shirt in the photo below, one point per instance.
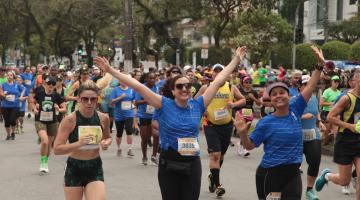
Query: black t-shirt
(195, 87)
(46, 106)
(249, 102)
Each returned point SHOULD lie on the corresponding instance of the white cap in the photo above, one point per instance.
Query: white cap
(305, 79)
(218, 66)
(187, 67)
(69, 73)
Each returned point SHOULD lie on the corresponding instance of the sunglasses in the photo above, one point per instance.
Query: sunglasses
(175, 72)
(51, 83)
(180, 86)
(247, 82)
(87, 99)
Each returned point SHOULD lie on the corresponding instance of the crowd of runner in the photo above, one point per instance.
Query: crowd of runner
(291, 112)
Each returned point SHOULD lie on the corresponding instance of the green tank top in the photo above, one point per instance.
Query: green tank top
(83, 121)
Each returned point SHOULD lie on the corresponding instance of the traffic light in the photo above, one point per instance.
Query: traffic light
(80, 49)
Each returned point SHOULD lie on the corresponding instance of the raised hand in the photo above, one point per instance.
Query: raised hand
(102, 63)
(240, 124)
(241, 52)
(319, 54)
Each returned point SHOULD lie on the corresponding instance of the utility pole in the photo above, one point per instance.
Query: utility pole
(128, 42)
(294, 36)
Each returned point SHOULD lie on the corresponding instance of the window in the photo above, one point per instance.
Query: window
(320, 13)
(339, 10)
(352, 2)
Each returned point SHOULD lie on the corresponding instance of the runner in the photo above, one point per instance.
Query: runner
(346, 149)
(121, 99)
(22, 100)
(278, 176)
(72, 94)
(179, 116)
(86, 129)
(10, 92)
(311, 137)
(46, 104)
(218, 127)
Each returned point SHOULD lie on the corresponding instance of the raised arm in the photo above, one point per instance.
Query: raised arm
(315, 77)
(223, 75)
(151, 97)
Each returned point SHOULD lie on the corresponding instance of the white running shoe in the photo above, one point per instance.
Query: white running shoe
(346, 190)
(46, 168)
(43, 168)
(241, 150)
(354, 182)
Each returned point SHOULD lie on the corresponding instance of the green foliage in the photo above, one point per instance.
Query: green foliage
(305, 58)
(282, 55)
(355, 51)
(347, 31)
(336, 50)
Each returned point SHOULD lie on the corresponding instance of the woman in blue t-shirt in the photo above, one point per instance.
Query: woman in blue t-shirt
(10, 92)
(278, 175)
(179, 116)
(122, 99)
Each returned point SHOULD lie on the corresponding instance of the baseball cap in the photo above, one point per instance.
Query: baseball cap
(276, 84)
(84, 70)
(335, 78)
(187, 67)
(218, 66)
(50, 79)
(305, 79)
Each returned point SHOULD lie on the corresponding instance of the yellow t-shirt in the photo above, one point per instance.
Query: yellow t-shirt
(217, 111)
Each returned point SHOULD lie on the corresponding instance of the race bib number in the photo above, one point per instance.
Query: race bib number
(356, 117)
(274, 196)
(126, 105)
(94, 133)
(221, 114)
(247, 112)
(309, 134)
(269, 110)
(46, 116)
(150, 109)
(27, 82)
(188, 146)
(10, 97)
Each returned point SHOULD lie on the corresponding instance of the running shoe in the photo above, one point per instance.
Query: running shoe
(118, 153)
(8, 137)
(220, 191)
(42, 168)
(12, 136)
(144, 161)
(29, 115)
(211, 183)
(130, 153)
(310, 195)
(321, 181)
(346, 190)
(354, 182)
(154, 160)
(46, 168)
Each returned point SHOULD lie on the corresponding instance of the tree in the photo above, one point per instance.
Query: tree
(260, 31)
(305, 58)
(355, 51)
(336, 50)
(347, 31)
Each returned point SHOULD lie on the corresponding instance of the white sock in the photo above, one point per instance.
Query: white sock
(327, 176)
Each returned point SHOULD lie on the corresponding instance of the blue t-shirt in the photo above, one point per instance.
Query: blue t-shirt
(282, 136)
(23, 103)
(178, 122)
(342, 94)
(161, 83)
(313, 108)
(156, 115)
(27, 80)
(293, 91)
(142, 108)
(123, 109)
(12, 93)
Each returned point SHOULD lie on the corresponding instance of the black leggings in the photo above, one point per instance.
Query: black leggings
(127, 123)
(176, 186)
(284, 178)
(10, 116)
(312, 152)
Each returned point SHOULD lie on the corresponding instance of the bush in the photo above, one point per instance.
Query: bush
(355, 51)
(336, 50)
(305, 58)
(282, 55)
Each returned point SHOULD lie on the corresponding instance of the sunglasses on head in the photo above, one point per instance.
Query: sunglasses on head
(87, 99)
(51, 83)
(180, 86)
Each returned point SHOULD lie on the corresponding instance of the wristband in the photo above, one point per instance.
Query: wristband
(319, 67)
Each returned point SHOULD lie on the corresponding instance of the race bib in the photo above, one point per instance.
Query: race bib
(188, 147)
(309, 134)
(95, 134)
(126, 105)
(221, 114)
(150, 109)
(10, 97)
(46, 116)
(356, 117)
(269, 110)
(247, 112)
(274, 196)
(27, 82)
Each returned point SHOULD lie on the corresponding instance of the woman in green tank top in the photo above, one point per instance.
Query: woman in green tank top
(86, 130)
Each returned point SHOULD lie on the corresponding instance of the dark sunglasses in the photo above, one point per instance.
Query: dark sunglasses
(87, 99)
(180, 86)
(175, 72)
(51, 83)
(248, 82)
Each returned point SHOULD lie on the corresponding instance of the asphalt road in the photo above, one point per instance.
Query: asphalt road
(125, 178)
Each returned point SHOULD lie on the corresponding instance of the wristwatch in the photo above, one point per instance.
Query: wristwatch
(319, 66)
